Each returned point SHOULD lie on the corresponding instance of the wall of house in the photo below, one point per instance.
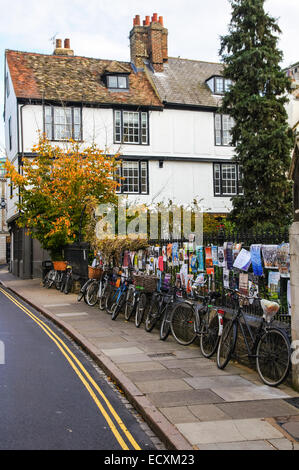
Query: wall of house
(173, 133)
(292, 108)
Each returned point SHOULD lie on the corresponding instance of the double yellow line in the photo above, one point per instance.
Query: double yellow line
(113, 420)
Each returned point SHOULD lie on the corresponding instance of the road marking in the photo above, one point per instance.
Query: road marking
(69, 356)
(74, 314)
(57, 305)
(2, 353)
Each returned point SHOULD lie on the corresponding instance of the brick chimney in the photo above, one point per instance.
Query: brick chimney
(66, 50)
(149, 42)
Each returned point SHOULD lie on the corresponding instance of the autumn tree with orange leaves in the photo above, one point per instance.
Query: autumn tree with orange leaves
(55, 188)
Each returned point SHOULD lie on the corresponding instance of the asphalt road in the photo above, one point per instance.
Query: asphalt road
(52, 397)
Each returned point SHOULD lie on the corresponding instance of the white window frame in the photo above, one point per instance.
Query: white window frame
(227, 179)
(133, 177)
(63, 123)
(223, 123)
(131, 127)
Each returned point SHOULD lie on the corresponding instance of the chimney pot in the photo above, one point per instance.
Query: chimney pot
(67, 44)
(58, 43)
(137, 20)
(147, 21)
(155, 17)
(161, 20)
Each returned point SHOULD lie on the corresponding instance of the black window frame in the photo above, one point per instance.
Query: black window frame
(224, 80)
(121, 141)
(53, 106)
(120, 190)
(117, 76)
(239, 188)
(221, 130)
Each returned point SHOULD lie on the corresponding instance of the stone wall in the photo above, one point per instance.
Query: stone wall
(294, 251)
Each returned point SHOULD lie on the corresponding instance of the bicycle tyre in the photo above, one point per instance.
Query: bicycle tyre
(92, 293)
(116, 309)
(209, 339)
(273, 357)
(165, 328)
(102, 299)
(182, 323)
(152, 316)
(130, 304)
(83, 290)
(227, 344)
(110, 299)
(49, 279)
(140, 310)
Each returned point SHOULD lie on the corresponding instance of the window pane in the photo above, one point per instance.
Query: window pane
(144, 188)
(219, 87)
(112, 81)
(122, 82)
(217, 180)
(229, 179)
(131, 177)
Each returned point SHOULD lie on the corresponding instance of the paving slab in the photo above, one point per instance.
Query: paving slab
(212, 432)
(250, 392)
(189, 397)
(247, 445)
(122, 351)
(208, 369)
(257, 409)
(284, 444)
(141, 366)
(208, 412)
(229, 381)
(162, 374)
(292, 427)
(169, 385)
(179, 414)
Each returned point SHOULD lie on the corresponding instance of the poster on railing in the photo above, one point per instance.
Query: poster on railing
(256, 260)
(221, 258)
(229, 255)
(175, 254)
(236, 250)
(269, 253)
(283, 259)
(215, 255)
(209, 259)
(226, 278)
(243, 283)
(274, 284)
(200, 259)
(243, 260)
(253, 288)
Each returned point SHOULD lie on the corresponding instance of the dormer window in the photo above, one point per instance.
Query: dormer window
(219, 85)
(117, 82)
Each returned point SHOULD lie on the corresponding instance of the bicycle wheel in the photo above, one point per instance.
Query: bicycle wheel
(104, 294)
(209, 337)
(273, 357)
(110, 299)
(50, 278)
(117, 307)
(83, 290)
(152, 316)
(182, 323)
(130, 304)
(165, 324)
(92, 293)
(227, 344)
(140, 309)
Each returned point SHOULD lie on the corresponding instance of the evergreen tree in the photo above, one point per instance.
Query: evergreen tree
(256, 101)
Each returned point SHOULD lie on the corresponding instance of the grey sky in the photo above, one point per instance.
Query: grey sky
(100, 28)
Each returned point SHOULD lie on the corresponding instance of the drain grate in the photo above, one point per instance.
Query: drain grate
(161, 355)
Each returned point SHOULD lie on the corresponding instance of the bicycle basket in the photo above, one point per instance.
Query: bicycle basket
(94, 273)
(147, 283)
(270, 309)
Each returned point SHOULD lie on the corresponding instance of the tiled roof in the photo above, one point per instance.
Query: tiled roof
(183, 82)
(77, 79)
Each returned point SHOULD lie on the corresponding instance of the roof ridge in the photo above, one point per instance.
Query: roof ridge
(197, 60)
(67, 57)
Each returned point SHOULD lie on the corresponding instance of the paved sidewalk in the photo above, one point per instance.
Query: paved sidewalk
(187, 401)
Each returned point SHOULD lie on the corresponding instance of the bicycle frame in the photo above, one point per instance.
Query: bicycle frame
(254, 338)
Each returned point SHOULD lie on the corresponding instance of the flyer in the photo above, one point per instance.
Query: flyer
(243, 260)
(274, 284)
(283, 259)
(243, 283)
(269, 253)
(221, 259)
(215, 255)
(200, 258)
(226, 278)
(209, 260)
(256, 260)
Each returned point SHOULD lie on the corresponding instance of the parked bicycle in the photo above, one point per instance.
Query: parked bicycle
(160, 309)
(269, 345)
(198, 318)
